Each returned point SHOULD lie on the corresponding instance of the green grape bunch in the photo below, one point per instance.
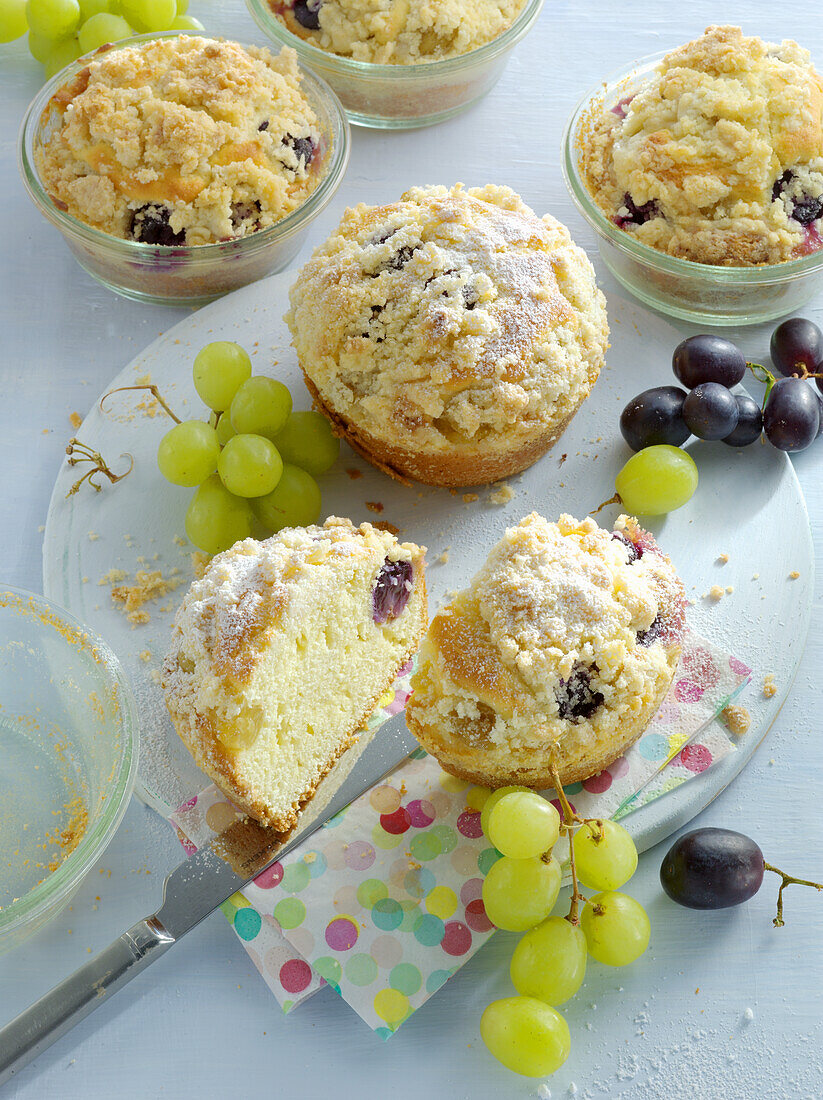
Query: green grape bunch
(254, 463)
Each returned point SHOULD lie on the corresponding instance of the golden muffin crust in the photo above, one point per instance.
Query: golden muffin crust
(718, 157)
(183, 141)
(280, 653)
(559, 652)
(450, 336)
(398, 32)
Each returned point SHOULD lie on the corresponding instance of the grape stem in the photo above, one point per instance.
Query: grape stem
(79, 452)
(763, 374)
(569, 820)
(612, 500)
(153, 390)
(787, 880)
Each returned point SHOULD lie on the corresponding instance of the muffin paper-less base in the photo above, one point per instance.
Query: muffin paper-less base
(384, 903)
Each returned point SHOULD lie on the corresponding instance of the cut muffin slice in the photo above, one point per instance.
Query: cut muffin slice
(281, 651)
(557, 655)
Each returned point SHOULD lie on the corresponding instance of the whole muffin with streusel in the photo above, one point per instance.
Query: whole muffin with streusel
(281, 651)
(450, 337)
(182, 141)
(558, 654)
(397, 32)
(718, 156)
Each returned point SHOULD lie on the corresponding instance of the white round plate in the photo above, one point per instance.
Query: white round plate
(748, 506)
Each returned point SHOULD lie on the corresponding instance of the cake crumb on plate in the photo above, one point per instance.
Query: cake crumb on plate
(503, 494)
(769, 686)
(736, 719)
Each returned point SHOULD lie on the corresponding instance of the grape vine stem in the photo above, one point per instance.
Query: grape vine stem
(153, 390)
(80, 452)
(569, 820)
(787, 880)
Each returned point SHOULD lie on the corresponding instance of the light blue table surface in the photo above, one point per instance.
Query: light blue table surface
(201, 1023)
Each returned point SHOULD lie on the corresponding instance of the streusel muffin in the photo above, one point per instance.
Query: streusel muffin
(397, 32)
(718, 157)
(559, 653)
(182, 141)
(281, 651)
(450, 337)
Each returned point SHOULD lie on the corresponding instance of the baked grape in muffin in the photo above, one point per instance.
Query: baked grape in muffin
(182, 141)
(281, 651)
(717, 157)
(397, 32)
(559, 653)
(450, 337)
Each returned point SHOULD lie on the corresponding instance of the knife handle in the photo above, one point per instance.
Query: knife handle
(64, 1006)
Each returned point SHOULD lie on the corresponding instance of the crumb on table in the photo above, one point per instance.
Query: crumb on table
(384, 525)
(374, 506)
(75, 419)
(148, 585)
(716, 592)
(444, 557)
(793, 575)
(737, 719)
(769, 686)
(722, 559)
(502, 494)
(354, 473)
(470, 498)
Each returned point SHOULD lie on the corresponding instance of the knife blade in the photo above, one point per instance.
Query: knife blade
(193, 890)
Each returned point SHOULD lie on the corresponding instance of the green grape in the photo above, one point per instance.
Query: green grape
(102, 28)
(616, 927)
(149, 15)
(307, 441)
(216, 519)
(13, 23)
(526, 1035)
(249, 466)
(41, 48)
(604, 855)
(64, 53)
(520, 893)
(88, 8)
(522, 824)
(182, 7)
(656, 480)
(220, 369)
(224, 430)
(188, 453)
(549, 962)
(491, 802)
(261, 406)
(53, 19)
(296, 501)
(186, 23)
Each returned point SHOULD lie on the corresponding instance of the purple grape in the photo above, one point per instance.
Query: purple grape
(307, 14)
(791, 419)
(150, 224)
(795, 344)
(575, 697)
(710, 411)
(819, 397)
(749, 422)
(712, 869)
(708, 359)
(638, 215)
(391, 590)
(806, 209)
(655, 416)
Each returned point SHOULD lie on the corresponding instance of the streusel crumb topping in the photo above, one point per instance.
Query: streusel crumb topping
(182, 141)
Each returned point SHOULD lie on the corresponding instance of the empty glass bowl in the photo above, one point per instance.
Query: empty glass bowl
(68, 758)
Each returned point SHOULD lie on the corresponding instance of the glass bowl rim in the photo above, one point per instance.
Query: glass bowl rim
(420, 70)
(60, 884)
(675, 265)
(321, 94)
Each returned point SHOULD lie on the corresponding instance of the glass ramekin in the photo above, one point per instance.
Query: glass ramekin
(402, 97)
(178, 274)
(703, 293)
(65, 702)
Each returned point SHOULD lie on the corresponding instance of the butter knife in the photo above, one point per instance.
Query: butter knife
(191, 892)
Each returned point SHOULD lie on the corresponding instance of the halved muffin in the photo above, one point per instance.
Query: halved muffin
(559, 653)
(281, 651)
(449, 337)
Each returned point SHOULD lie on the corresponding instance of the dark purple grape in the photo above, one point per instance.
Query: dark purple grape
(646, 637)
(795, 344)
(712, 869)
(391, 590)
(150, 224)
(819, 397)
(637, 215)
(575, 697)
(307, 14)
(302, 147)
(749, 422)
(805, 209)
(655, 416)
(633, 551)
(710, 411)
(791, 419)
(708, 359)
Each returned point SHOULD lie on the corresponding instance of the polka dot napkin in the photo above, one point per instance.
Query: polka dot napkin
(384, 902)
